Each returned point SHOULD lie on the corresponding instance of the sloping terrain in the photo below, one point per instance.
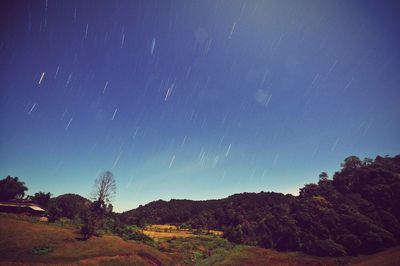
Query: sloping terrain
(22, 241)
(25, 241)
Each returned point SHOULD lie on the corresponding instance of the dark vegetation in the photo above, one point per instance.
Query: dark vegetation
(355, 212)
(42, 250)
(12, 188)
(41, 198)
(71, 206)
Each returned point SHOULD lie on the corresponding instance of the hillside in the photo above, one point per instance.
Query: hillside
(67, 205)
(25, 241)
(355, 212)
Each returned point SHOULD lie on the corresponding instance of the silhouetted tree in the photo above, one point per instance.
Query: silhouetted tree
(352, 162)
(323, 177)
(41, 198)
(12, 188)
(103, 192)
(104, 187)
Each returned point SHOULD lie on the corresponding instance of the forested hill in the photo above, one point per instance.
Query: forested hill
(356, 211)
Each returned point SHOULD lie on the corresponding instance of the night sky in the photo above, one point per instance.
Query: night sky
(194, 99)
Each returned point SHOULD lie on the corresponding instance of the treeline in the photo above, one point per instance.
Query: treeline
(355, 212)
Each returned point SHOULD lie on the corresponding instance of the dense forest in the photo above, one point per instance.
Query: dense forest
(357, 211)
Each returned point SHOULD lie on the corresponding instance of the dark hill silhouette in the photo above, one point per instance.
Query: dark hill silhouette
(67, 205)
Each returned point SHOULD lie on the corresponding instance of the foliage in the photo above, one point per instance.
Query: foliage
(355, 212)
(70, 206)
(12, 188)
(94, 219)
(41, 198)
(131, 233)
(41, 250)
(205, 250)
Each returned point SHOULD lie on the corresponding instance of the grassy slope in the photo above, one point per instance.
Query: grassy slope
(217, 251)
(19, 237)
(258, 256)
(390, 257)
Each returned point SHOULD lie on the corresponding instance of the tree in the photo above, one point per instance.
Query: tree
(12, 188)
(41, 198)
(352, 162)
(71, 206)
(92, 219)
(104, 187)
(309, 190)
(323, 177)
(103, 192)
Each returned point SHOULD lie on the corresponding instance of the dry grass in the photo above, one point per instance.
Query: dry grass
(161, 235)
(19, 237)
(243, 255)
(390, 257)
(163, 231)
(155, 227)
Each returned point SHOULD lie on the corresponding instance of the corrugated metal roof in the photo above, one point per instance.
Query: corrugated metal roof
(30, 205)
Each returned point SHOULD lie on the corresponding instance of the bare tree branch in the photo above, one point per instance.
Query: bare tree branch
(104, 187)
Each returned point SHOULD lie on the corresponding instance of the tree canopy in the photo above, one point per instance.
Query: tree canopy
(12, 188)
(41, 198)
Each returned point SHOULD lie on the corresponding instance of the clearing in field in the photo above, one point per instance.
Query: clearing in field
(164, 231)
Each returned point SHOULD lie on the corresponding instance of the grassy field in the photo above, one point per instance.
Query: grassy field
(390, 257)
(209, 250)
(25, 241)
(22, 242)
(165, 231)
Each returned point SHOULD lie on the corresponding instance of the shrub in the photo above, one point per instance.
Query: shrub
(131, 232)
(41, 250)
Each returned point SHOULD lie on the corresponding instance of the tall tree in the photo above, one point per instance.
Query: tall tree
(41, 198)
(12, 188)
(104, 187)
(103, 192)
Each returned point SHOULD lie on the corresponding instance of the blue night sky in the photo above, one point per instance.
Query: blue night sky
(194, 99)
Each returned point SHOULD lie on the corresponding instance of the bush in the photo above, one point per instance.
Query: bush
(41, 250)
(131, 232)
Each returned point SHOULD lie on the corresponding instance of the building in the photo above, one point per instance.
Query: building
(21, 206)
